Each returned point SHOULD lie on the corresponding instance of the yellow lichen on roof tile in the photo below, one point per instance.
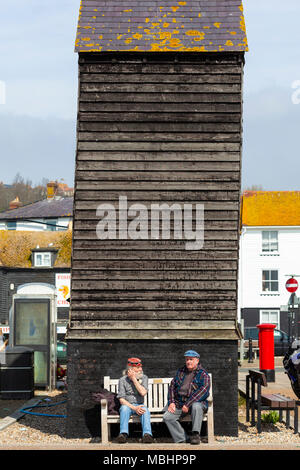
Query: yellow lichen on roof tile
(195, 33)
(271, 208)
(16, 246)
(242, 24)
(157, 18)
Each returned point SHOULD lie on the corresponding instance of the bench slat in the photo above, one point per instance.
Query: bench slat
(285, 402)
(278, 400)
(269, 400)
(149, 398)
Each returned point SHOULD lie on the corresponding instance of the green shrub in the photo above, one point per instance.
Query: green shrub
(271, 417)
(241, 400)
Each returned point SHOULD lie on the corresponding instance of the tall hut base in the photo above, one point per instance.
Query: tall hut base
(90, 360)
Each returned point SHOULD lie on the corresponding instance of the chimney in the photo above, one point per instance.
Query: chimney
(15, 203)
(52, 187)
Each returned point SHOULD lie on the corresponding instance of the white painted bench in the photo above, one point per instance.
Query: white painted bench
(155, 400)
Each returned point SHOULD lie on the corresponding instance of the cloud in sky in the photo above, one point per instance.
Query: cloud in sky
(39, 68)
(271, 140)
(37, 148)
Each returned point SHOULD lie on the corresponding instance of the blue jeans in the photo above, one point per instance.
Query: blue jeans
(126, 412)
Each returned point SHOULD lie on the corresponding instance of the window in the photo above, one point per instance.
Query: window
(11, 225)
(42, 259)
(51, 224)
(270, 316)
(270, 281)
(269, 241)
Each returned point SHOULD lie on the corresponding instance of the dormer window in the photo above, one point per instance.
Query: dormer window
(43, 257)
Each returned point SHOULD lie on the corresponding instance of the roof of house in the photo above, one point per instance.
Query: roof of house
(47, 208)
(16, 247)
(270, 208)
(161, 25)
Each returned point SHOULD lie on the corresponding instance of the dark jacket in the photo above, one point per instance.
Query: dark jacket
(198, 390)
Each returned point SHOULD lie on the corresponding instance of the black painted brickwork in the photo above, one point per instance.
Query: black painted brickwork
(90, 360)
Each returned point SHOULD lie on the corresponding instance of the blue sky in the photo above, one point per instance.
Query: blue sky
(39, 68)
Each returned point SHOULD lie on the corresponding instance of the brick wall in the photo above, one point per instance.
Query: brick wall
(90, 360)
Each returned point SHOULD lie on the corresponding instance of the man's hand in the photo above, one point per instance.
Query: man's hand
(140, 410)
(172, 408)
(131, 374)
(185, 409)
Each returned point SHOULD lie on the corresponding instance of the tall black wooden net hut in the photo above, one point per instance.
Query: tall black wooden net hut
(159, 121)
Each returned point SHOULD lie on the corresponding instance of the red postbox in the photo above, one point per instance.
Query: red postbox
(266, 350)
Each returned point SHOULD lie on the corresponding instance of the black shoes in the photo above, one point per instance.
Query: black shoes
(195, 438)
(147, 439)
(122, 438)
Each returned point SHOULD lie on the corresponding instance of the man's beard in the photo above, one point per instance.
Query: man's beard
(139, 375)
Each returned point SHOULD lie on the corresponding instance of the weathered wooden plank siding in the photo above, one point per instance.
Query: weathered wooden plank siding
(157, 128)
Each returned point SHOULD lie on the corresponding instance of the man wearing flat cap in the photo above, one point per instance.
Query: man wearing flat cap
(132, 388)
(188, 393)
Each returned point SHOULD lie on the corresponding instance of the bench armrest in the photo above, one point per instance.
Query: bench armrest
(103, 406)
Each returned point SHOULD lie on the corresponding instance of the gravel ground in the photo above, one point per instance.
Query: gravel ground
(38, 430)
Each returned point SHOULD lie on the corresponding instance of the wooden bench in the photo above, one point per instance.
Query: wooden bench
(255, 348)
(155, 400)
(255, 400)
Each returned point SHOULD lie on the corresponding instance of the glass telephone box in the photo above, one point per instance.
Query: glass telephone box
(33, 324)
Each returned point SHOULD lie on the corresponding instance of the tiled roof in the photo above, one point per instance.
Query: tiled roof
(60, 207)
(16, 246)
(161, 25)
(270, 208)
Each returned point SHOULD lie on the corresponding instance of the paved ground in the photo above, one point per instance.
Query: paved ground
(281, 385)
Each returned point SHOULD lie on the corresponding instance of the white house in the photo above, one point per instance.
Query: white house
(269, 255)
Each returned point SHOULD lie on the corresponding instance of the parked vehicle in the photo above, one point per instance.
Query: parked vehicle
(281, 339)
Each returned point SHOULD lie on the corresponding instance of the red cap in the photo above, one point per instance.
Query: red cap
(134, 362)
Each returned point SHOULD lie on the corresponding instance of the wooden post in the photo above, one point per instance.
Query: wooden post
(247, 398)
(259, 406)
(252, 402)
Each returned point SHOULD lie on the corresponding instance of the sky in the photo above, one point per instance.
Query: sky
(38, 92)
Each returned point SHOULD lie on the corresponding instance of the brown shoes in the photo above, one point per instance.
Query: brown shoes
(122, 438)
(147, 439)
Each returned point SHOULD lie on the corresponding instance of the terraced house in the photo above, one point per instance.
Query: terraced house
(269, 255)
(159, 122)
